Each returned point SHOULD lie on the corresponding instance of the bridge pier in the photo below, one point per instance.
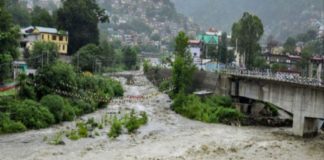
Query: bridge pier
(304, 126)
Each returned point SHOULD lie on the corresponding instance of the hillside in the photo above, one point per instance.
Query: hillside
(150, 24)
(281, 18)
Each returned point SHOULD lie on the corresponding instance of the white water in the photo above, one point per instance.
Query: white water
(166, 136)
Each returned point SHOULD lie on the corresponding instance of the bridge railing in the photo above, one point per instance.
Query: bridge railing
(278, 76)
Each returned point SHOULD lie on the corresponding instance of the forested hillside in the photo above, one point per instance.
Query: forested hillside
(281, 18)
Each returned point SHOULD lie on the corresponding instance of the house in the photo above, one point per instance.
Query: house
(208, 40)
(33, 34)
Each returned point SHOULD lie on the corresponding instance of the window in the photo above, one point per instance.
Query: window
(42, 36)
(63, 47)
(48, 37)
(61, 38)
(54, 38)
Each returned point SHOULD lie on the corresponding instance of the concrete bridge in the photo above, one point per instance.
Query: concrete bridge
(303, 98)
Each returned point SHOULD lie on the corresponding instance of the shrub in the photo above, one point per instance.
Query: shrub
(210, 110)
(55, 104)
(227, 115)
(82, 130)
(57, 139)
(146, 66)
(31, 114)
(26, 92)
(144, 118)
(68, 112)
(83, 107)
(9, 126)
(165, 85)
(273, 109)
(117, 87)
(73, 135)
(132, 122)
(115, 129)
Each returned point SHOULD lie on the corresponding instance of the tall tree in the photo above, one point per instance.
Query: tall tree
(80, 18)
(9, 35)
(182, 68)
(223, 54)
(182, 42)
(41, 17)
(247, 32)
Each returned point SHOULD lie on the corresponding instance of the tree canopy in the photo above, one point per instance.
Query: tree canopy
(247, 32)
(9, 35)
(80, 18)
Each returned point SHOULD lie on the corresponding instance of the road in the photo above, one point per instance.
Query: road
(167, 136)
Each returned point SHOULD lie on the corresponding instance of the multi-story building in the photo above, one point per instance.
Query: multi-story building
(32, 34)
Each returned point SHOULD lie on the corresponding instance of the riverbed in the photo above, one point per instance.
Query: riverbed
(167, 136)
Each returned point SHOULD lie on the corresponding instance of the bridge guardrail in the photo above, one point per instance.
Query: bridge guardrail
(282, 77)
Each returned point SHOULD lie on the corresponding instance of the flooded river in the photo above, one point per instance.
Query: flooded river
(167, 136)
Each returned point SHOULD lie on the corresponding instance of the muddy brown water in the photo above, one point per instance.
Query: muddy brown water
(167, 136)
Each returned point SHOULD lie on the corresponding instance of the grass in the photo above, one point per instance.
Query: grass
(11, 92)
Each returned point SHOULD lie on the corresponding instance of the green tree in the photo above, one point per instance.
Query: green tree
(55, 105)
(31, 114)
(80, 18)
(86, 57)
(247, 32)
(53, 77)
(9, 35)
(130, 57)
(290, 45)
(223, 54)
(182, 42)
(182, 68)
(43, 53)
(41, 17)
(25, 91)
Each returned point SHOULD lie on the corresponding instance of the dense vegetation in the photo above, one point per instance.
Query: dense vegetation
(40, 105)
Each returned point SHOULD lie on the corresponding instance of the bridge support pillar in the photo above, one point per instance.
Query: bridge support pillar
(304, 126)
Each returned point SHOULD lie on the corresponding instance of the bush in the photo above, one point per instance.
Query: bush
(165, 85)
(146, 66)
(117, 87)
(31, 114)
(55, 105)
(115, 129)
(144, 118)
(227, 115)
(68, 112)
(73, 135)
(132, 123)
(9, 126)
(210, 110)
(82, 107)
(82, 130)
(57, 139)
